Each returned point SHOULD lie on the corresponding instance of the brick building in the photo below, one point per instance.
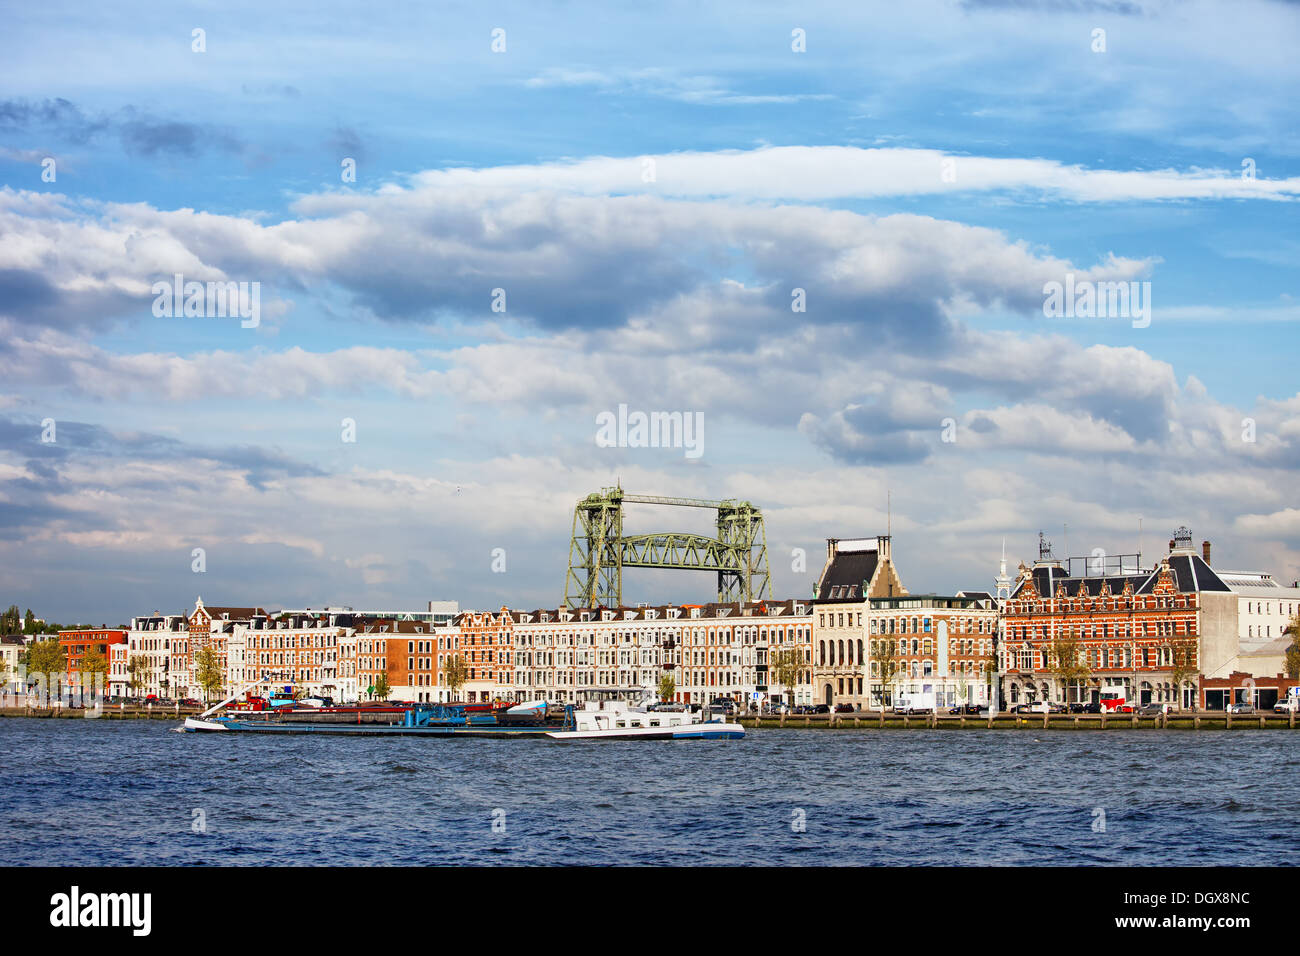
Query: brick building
(78, 643)
(1216, 693)
(931, 643)
(1148, 631)
(206, 627)
(484, 639)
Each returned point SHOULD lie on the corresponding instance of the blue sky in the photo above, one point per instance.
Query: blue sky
(523, 170)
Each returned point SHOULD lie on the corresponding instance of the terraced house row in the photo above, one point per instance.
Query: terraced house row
(1178, 631)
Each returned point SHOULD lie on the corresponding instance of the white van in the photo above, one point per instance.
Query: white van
(914, 703)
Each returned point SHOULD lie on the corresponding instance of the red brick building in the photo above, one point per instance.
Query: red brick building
(78, 643)
(486, 641)
(206, 627)
(1216, 693)
(1126, 627)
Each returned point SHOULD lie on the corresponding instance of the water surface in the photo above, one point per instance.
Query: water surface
(99, 792)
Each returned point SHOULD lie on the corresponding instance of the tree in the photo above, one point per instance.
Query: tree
(207, 671)
(94, 662)
(382, 687)
(31, 625)
(667, 686)
(1293, 652)
(1066, 659)
(11, 620)
(989, 667)
(788, 668)
(138, 673)
(1182, 665)
(889, 668)
(46, 657)
(454, 674)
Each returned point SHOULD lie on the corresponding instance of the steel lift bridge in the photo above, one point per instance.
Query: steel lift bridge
(600, 550)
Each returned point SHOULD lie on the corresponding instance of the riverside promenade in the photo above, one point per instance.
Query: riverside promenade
(1186, 720)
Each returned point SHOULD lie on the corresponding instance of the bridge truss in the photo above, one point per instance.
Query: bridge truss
(599, 550)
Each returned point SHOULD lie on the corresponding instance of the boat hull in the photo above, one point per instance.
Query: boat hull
(199, 725)
(711, 731)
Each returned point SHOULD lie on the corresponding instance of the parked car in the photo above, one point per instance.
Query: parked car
(725, 704)
(820, 709)
(965, 709)
(1085, 707)
(1287, 705)
(1032, 707)
(1153, 709)
(775, 707)
(189, 702)
(1241, 707)
(844, 708)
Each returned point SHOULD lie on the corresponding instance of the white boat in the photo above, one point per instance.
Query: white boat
(605, 718)
(199, 724)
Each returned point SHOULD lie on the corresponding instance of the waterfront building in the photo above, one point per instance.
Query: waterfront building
(11, 646)
(117, 679)
(856, 571)
(930, 643)
(1216, 693)
(300, 648)
(1147, 630)
(78, 643)
(710, 651)
(412, 661)
(484, 640)
(149, 649)
(1265, 611)
(206, 627)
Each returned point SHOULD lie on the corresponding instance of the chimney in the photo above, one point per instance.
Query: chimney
(882, 547)
(830, 547)
(1205, 551)
(1171, 544)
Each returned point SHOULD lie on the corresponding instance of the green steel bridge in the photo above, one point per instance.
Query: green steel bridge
(600, 550)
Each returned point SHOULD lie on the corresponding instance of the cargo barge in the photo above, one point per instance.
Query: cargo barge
(601, 716)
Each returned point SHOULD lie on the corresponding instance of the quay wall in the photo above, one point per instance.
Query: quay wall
(1081, 722)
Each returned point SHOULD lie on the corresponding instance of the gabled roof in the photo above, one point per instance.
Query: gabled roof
(1191, 574)
(846, 575)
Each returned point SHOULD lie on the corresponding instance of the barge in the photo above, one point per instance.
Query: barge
(602, 716)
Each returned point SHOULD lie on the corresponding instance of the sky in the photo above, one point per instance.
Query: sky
(828, 232)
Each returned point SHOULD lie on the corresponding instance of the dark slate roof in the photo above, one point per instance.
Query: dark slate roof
(1191, 573)
(847, 569)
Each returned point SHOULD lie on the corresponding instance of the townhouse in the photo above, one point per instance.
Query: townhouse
(149, 653)
(12, 647)
(931, 643)
(856, 570)
(302, 649)
(709, 650)
(209, 627)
